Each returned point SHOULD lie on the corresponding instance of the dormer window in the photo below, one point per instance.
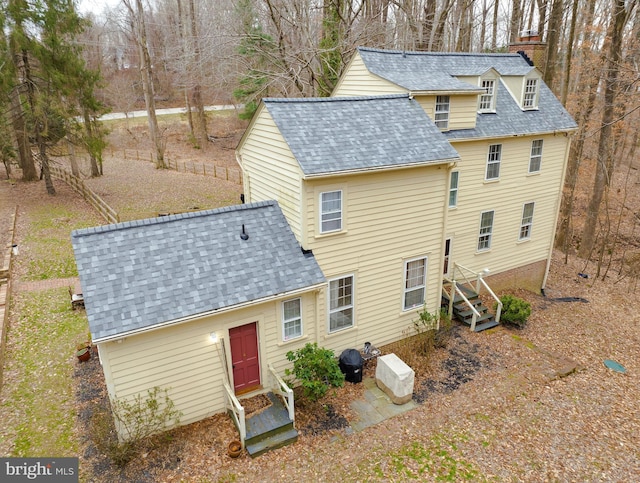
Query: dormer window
(530, 98)
(487, 100)
(442, 112)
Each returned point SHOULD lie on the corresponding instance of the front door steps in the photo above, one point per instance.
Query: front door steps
(463, 312)
(270, 428)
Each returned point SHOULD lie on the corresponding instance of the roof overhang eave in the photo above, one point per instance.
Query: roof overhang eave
(440, 92)
(329, 174)
(566, 132)
(221, 310)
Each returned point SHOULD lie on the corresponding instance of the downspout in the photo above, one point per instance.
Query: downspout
(445, 219)
(557, 207)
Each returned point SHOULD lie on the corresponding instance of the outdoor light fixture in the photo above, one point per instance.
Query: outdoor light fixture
(213, 337)
(486, 271)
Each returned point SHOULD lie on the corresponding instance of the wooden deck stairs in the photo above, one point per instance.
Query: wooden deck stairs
(270, 428)
(463, 312)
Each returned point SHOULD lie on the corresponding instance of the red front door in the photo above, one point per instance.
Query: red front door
(244, 357)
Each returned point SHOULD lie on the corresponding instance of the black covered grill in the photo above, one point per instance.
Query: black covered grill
(351, 363)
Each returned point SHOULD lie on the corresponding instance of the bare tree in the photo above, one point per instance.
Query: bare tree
(553, 36)
(605, 161)
(146, 73)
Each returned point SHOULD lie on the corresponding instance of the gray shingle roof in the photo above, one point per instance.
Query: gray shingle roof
(435, 71)
(510, 120)
(140, 274)
(427, 71)
(332, 135)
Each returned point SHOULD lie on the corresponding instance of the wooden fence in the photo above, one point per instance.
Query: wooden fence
(188, 166)
(94, 200)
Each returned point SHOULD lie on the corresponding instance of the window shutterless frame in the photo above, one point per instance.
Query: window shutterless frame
(453, 189)
(529, 100)
(493, 162)
(330, 211)
(415, 283)
(486, 230)
(487, 103)
(527, 221)
(341, 303)
(442, 112)
(535, 159)
(291, 319)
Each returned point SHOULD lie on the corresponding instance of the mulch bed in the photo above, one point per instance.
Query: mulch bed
(453, 367)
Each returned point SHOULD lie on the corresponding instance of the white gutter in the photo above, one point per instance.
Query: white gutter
(476, 90)
(222, 310)
(555, 223)
(381, 168)
(566, 132)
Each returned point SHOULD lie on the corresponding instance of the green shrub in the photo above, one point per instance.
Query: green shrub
(515, 311)
(316, 369)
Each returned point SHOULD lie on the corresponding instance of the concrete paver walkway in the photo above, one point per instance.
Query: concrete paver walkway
(376, 406)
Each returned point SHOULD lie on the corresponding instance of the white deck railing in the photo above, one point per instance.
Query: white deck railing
(237, 412)
(495, 297)
(475, 280)
(285, 391)
(456, 290)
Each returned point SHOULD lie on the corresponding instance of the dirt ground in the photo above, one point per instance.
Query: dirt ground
(493, 406)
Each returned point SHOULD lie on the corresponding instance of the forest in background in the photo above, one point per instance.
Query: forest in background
(61, 71)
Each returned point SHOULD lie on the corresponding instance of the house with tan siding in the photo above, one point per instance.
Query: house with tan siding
(513, 138)
(198, 304)
(421, 170)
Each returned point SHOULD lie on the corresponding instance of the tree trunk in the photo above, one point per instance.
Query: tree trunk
(44, 159)
(483, 26)
(73, 159)
(25, 156)
(542, 16)
(200, 117)
(553, 35)
(494, 26)
(465, 25)
(586, 90)
(438, 37)
(604, 161)
(428, 21)
(96, 170)
(515, 23)
(146, 72)
(570, 42)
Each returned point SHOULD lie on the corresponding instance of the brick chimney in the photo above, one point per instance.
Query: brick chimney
(530, 44)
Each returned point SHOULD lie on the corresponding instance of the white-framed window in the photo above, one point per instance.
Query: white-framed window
(415, 283)
(442, 112)
(527, 221)
(291, 319)
(341, 292)
(330, 211)
(453, 189)
(535, 160)
(487, 100)
(493, 162)
(530, 98)
(486, 230)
